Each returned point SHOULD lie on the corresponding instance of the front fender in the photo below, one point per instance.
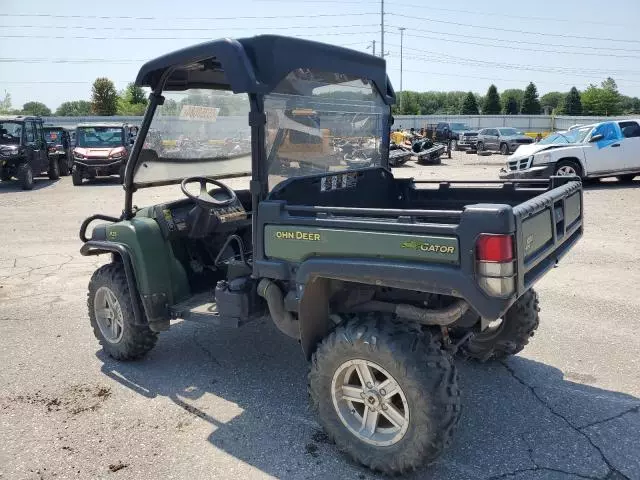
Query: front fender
(160, 279)
(97, 247)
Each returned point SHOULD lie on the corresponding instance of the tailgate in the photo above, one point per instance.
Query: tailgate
(547, 226)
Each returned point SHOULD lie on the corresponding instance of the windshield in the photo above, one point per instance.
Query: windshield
(53, 136)
(458, 127)
(99, 137)
(10, 133)
(197, 133)
(507, 132)
(571, 136)
(323, 122)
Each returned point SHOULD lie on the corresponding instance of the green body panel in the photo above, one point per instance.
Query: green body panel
(157, 270)
(296, 244)
(537, 232)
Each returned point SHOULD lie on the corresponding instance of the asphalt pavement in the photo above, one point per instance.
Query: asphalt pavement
(232, 403)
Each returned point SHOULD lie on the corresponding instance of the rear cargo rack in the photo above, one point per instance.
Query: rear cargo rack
(377, 212)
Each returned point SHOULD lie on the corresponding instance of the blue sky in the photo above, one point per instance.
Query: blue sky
(461, 45)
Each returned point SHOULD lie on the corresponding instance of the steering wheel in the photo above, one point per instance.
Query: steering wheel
(203, 198)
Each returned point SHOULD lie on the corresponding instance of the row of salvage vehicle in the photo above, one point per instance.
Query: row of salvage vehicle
(29, 148)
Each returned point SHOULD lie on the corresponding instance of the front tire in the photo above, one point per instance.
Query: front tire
(511, 335)
(480, 147)
(76, 176)
(112, 318)
(25, 176)
(386, 396)
(121, 173)
(504, 149)
(63, 166)
(568, 168)
(54, 169)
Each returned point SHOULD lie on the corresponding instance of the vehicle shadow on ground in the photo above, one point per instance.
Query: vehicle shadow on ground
(519, 417)
(12, 186)
(102, 182)
(611, 184)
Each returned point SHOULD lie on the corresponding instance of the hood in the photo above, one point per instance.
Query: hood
(516, 137)
(98, 152)
(524, 151)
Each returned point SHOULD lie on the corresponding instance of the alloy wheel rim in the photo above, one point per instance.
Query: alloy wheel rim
(108, 315)
(370, 403)
(566, 170)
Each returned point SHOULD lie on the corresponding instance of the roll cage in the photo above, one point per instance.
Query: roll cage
(253, 66)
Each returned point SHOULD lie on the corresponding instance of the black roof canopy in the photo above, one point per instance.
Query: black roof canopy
(257, 64)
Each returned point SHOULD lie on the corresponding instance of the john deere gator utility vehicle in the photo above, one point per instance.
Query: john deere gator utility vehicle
(379, 279)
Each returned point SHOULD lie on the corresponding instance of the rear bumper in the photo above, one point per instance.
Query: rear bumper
(542, 171)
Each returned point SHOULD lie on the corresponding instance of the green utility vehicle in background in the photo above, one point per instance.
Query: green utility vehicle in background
(379, 279)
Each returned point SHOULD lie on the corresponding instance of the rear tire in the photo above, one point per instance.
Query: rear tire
(425, 405)
(25, 176)
(76, 176)
(508, 338)
(627, 178)
(112, 318)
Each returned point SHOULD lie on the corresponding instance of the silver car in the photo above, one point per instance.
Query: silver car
(504, 140)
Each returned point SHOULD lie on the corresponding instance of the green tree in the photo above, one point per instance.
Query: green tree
(602, 101)
(552, 100)
(572, 104)
(469, 105)
(132, 101)
(512, 100)
(104, 98)
(630, 105)
(136, 94)
(491, 104)
(5, 103)
(408, 103)
(36, 108)
(530, 101)
(511, 107)
(76, 108)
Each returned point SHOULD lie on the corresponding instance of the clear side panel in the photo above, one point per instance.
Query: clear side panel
(197, 133)
(323, 122)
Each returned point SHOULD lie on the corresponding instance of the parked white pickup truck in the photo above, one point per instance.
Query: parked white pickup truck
(608, 149)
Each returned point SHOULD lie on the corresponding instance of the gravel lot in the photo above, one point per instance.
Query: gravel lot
(218, 403)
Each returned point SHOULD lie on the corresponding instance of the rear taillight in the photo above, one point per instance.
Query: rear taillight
(495, 264)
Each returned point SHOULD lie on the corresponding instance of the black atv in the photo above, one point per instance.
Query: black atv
(23, 151)
(59, 146)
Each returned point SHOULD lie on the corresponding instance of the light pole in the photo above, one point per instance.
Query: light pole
(373, 45)
(382, 28)
(402, 29)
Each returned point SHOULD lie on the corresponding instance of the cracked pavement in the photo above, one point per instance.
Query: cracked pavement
(224, 403)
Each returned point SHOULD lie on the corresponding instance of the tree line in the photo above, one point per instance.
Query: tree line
(105, 100)
(602, 100)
